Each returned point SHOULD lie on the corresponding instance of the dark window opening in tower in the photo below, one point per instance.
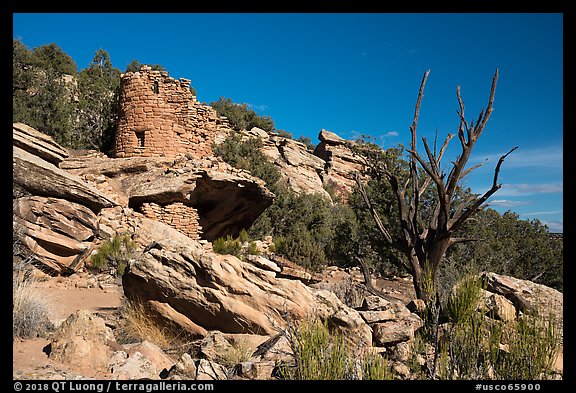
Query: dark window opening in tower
(155, 89)
(140, 137)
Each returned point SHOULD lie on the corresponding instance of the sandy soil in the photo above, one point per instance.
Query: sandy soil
(68, 295)
(29, 361)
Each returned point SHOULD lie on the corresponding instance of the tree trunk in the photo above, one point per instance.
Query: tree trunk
(425, 268)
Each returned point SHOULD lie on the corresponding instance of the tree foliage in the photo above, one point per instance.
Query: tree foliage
(99, 86)
(508, 245)
(77, 109)
(302, 225)
(43, 95)
(135, 66)
(240, 116)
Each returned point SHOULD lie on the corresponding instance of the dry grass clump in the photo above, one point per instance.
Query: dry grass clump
(238, 352)
(30, 312)
(138, 325)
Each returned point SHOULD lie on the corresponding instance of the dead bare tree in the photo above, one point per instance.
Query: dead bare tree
(425, 243)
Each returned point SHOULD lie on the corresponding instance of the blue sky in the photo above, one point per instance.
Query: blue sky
(359, 74)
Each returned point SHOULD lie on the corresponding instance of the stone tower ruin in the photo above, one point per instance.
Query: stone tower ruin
(160, 117)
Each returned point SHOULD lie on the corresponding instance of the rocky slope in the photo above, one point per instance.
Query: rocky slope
(331, 166)
(67, 203)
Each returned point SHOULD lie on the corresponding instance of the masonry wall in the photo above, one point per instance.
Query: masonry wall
(177, 215)
(159, 117)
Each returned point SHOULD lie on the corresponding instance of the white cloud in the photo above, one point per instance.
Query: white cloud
(554, 226)
(541, 157)
(391, 133)
(258, 108)
(507, 203)
(522, 189)
(541, 213)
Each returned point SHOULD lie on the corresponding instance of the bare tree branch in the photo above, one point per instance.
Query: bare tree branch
(368, 282)
(431, 158)
(467, 171)
(372, 210)
(427, 169)
(497, 171)
(454, 240)
(461, 207)
(444, 145)
(455, 174)
(489, 108)
(476, 205)
(417, 110)
(463, 124)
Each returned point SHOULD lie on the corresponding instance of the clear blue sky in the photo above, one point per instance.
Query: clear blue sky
(359, 74)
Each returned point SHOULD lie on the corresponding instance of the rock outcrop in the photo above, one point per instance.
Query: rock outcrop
(38, 143)
(40, 177)
(341, 163)
(331, 166)
(202, 198)
(60, 233)
(300, 169)
(221, 292)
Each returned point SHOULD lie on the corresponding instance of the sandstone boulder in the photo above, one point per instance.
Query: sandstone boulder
(40, 177)
(221, 292)
(527, 296)
(255, 370)
(60, 233)
(276, 349)
(82, 341)
(501, 308)
(341, 163)
(194, 195)
(207, 370)
(393, 332)
(151, 352)
(37, 143)
(214, 345)
(135, 366)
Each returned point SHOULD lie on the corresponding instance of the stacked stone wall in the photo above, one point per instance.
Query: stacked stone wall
(160, 117)
(177, 215)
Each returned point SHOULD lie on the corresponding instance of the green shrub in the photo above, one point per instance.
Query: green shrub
(243, 236)
(245, 154)
(318, 354)
(240, 116)
(321, 354)
(253, 249)
(115, 252)
(299, 246)
(305, 227)
(227, 245)
(463, 300)
(375, 367)
(532, 346)
(477, 347)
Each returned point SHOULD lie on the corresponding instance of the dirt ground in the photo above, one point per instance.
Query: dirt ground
(64, 297)
(68, 295)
